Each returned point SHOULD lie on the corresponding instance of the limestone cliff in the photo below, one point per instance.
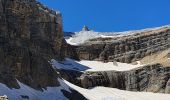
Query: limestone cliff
(128, 48)
(150, 47)
(30, 35)
(150, 78)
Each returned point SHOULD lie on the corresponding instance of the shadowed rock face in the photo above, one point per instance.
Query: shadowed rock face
(127, 48)
(30, 35)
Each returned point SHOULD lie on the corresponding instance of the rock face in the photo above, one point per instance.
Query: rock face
(167, 89)
(151, 78)
(127, 48)
(70, 52)
(30, 35)
(141, 46)
(85, 28)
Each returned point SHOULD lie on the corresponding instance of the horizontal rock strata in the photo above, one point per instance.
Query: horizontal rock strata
(30, 35)
(126, 48)
(151, 78)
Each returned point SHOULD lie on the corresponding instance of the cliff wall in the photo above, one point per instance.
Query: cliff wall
(128, 48)
(150, 78)
(30, 36)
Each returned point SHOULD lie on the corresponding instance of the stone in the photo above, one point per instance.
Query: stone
(85, 28)
(167, 89)
(3, 97)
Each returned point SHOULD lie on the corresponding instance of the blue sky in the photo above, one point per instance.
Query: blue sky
(111, 15)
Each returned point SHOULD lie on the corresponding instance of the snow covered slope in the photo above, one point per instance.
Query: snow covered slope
(97, 93)
(27, 93)
(85, 65)
(104, 93)
(83, 36)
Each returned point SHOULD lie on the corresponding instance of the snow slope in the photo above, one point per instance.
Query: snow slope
(51, 93)
(83, 36)
(104, 93)
(97, 93)
(85, 65)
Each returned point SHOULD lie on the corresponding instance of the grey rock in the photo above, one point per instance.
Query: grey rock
(125, 49)
(30, 35)
(150, 78)
(167, 89)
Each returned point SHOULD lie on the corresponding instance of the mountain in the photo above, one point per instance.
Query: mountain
(30, 36)
(146, 49)
(38, 61)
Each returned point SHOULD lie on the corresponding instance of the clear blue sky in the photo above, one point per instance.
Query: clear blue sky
(111, 15)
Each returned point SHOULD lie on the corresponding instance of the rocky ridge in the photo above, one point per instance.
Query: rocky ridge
(125, 49)
(150, 78)
(30, 36)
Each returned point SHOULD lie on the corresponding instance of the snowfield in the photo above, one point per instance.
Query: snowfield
(83, 36)
(104, 93)
(97, 93)
(85, 65)
(52, 93)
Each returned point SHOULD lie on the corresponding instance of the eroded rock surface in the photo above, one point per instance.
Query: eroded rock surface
(150, 78)
(30, 35)
(126, 49)
(149, 47)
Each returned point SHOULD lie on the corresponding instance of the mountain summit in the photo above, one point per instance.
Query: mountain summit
(85, 28)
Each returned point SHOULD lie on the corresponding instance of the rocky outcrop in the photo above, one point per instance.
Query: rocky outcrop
(151, 78)
(70, 52)
(128, 48)
(30, 35)
(167, 88)
(85, 28)
(3, 97)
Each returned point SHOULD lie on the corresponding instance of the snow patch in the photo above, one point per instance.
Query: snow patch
(104, 93)
(85, 65)
(83, 36)
(28, 93)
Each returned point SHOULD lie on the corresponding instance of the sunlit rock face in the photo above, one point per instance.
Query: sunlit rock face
(149, 47)
(150, 78)
(30, 35)
(127, 48)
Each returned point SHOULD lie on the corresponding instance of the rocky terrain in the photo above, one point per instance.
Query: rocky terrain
(149, 47)
(30, 35)
(148, 78)
(28, 40)
(127, 48)
(151, 78)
